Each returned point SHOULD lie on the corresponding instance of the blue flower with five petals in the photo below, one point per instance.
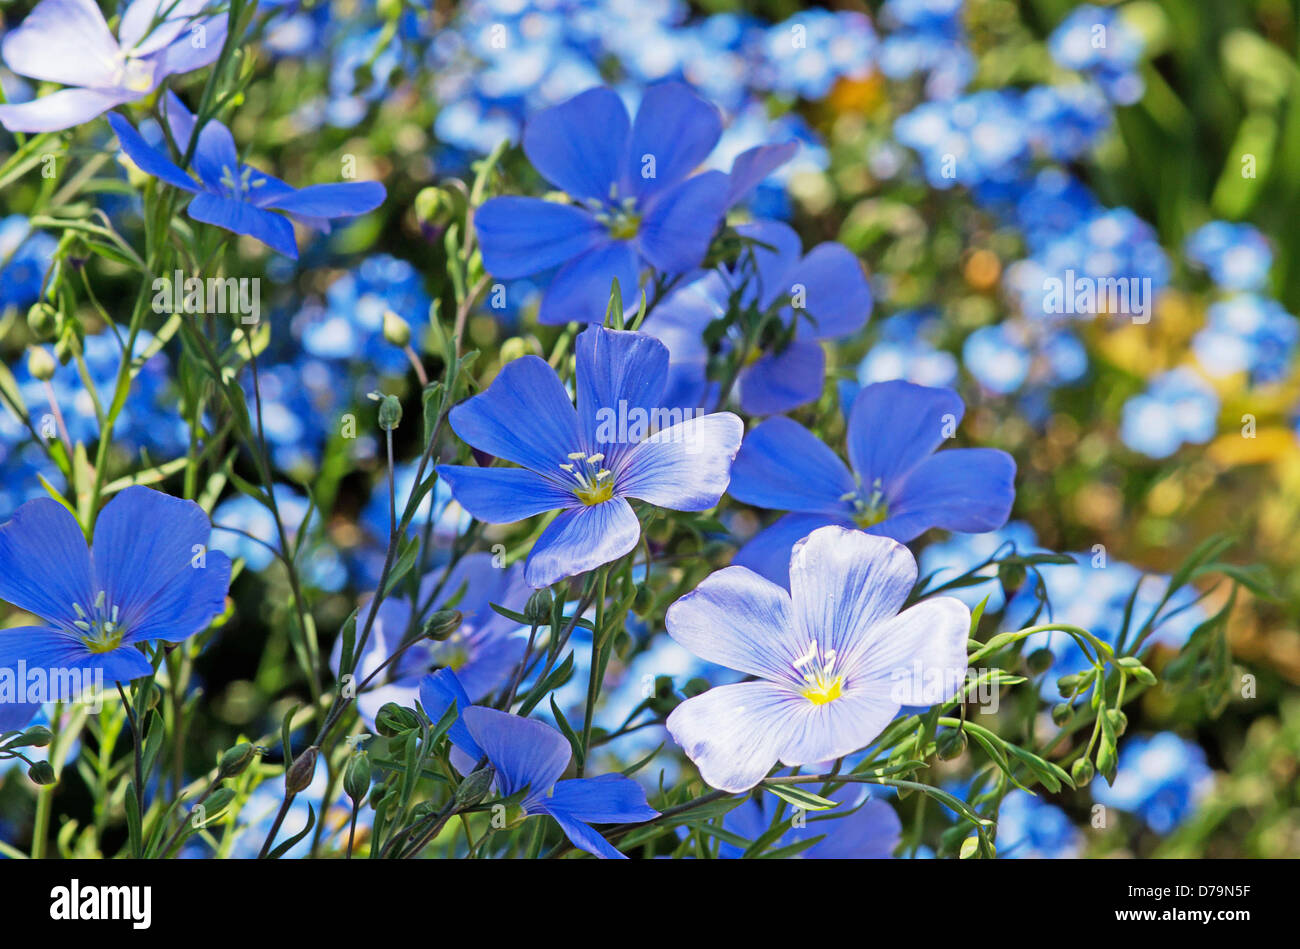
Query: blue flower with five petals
(619, 444)
(236, 196)
(899, 487)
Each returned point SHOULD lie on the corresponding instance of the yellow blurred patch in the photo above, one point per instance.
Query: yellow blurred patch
(857, 95)
(1269, 445)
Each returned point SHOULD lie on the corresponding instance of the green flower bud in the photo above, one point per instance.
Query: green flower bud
(1061, 713)
(1040, 660)
(38, 736)
(1118, 720)
(437, 207)
(951, 744)
(356, 779)
(217, 802)
(539, 607)
(41, 773)
(1106, 759)
(235, 760)
(695, 687)
(301, 771)
(43, 321)
(393, 720)
(40, 364)
(474, 788)
(390, 412)
(1081, 772)
(396, 330)
(512, 349)
(442, 624)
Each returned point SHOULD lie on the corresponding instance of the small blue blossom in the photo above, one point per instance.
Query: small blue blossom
(1162, 778)
(1237, 256)
(1177, 408)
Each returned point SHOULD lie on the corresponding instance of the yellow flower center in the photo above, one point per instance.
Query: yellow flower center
(593, 483)
(101, 629)
(817, 669)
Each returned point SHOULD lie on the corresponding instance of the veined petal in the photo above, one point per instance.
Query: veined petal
(961, 489)
(783, 466)
(680, 221)
(620, 374)
(815, 733)
(149, 25)
(607, 799)
(15, 716)
(581, 539)
(582, 836)
(735, 733)
(270, 228)
(525, 416)
(342, 199)
(526, 753)
(735, 618)
(838, 297)
(522, 236)
(70, 668)
(437, 693)
(64, 41)
(872, 832)
(686, 466)
(503, 495)
(579, 145)
(843, 583)
(894, 426)
(188, 604)
(44, 562)
(150, 160)
(581, 290)
(779, 382)
(776, 253)
(183, 55)
(676, 129)
(917, 657)
(768, 552)
(144, 539)
(61, 110)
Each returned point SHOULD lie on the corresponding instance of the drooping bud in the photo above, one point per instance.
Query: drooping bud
(1040, 660)
(951, 744)
(1061, 712)
(42, 773)
(390, 412)
(43, 321)
(393, 720)
(474, 788)
(436, 207)
(1081, 772)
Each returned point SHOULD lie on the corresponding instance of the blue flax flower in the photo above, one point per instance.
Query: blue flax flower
(858, 830)
(531, 756)
(1237, 256)
(238, 197)
(834, 662)
(898, 487)
(819, 295)
(68, 42)
(619, 444)
(638, 201)
(148, 577)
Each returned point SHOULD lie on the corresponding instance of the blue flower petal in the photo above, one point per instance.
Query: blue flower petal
(581, 539)
(522, 236)
(838, 295)
(69, 666)
(526, 753)
(150, 160)
(779, 382)
(63, 41)
(526, 390)
(961, 489)
(894, 426)
(621, 376)
(270, 228)
(582, 836)
(44, 562)
(143, 548)
(607, 799)
(680, 221)
(437, 693)
(343, 199)
(785, 467)
(677, 130)
(685, 467)
(776, 253)
(768, 552)
(579, 145)
(751, 167)
(735, 733)
(61, 110)
(503, 495)
(580, 292)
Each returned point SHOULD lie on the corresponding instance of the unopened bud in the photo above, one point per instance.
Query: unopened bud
(1081, 772)
(390, 412)
(40, 364)
(235, 760)
(394, 720)
(951, 744)
(42, 773)
(301, 771)
(474, 788)
(396, 330)
(356, 779)
(1040, 660)
(442, 624)
(1061, 712)
(436, 207)
(43, 321)
(539, 606)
